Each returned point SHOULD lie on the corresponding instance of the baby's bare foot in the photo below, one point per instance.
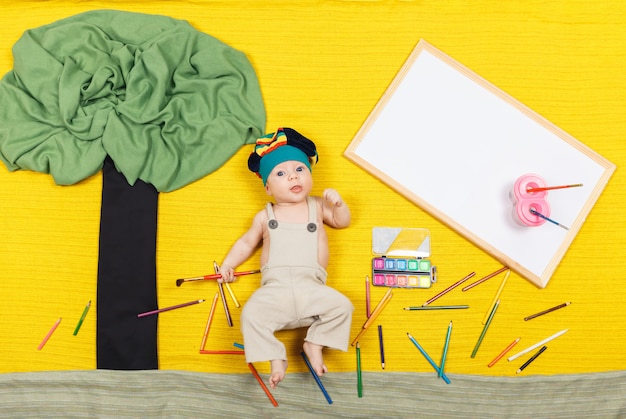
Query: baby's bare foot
(314, 353)
(278, 367)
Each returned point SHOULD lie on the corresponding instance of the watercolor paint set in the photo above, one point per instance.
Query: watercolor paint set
(401, 258)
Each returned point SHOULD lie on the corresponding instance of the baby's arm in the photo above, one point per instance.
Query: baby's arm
(335, 211)
(243, 248)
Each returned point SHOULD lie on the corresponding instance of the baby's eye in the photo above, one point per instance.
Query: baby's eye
(299, 168)
(280, 173)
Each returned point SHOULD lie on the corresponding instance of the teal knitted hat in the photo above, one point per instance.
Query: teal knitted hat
(283, 145)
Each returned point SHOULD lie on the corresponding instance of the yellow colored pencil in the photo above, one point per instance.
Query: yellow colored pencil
(232, 294)
(497, 296)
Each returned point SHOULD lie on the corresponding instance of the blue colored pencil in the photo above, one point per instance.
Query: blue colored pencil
(445, 349)
(428, 358)
(317, 378)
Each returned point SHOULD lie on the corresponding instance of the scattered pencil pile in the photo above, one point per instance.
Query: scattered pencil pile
(487, 320)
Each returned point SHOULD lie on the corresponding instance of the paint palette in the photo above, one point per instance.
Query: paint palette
(401, 260)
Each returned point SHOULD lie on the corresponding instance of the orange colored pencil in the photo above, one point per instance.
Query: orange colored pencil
(379, 308)
(501, 354)
(208, 322)
(47, 337)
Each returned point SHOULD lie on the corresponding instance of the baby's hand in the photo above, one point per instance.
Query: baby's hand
(333, 197)
(228, 273)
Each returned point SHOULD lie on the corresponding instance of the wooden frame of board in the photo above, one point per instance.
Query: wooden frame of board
(454, 144)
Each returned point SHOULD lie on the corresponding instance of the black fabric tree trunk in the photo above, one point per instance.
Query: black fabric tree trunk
(126, 274)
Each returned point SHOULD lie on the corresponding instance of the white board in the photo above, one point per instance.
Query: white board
(455, 144)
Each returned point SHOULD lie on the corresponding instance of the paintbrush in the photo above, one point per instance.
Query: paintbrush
(180, 281)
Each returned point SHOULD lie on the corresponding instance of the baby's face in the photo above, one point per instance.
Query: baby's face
(289, 181)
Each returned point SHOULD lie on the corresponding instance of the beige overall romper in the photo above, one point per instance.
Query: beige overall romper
(293, 294)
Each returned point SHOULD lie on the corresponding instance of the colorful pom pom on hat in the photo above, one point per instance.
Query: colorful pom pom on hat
(283, 145)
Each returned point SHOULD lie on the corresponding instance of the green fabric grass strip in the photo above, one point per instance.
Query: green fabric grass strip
(168, 103)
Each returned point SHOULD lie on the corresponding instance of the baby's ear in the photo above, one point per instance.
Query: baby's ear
(268, 190)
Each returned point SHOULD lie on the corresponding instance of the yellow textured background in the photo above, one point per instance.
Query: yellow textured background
(322, 66)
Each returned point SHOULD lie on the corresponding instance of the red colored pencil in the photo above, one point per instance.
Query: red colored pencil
(220, 352)
(480, 281)
(263, 386)
(450, 288)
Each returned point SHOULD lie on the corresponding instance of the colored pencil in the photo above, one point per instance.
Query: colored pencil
(367, 296)
(532, 358)
(221, 352)
(536, 345)
(208, 322)
(180, 281)
(220, 288)
(450, 288)
(317, 378)
(501, 354)
(453, 307)
(480, 281)
(82, 318)
(359, 378)
(445, 349)
(482, 334)
(382, 347)
(232, 294)
(497, 296)
(550, 310)
(161, 310)
(549, 188)
(47, 337)
(428, 358)
(540, 215)
(379, 308)
(263, 386)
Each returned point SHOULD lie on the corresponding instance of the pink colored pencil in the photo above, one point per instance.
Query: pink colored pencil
(367, 296)
(45, 339)
(263, 386)
(161, 310)
(507, 349)
(450, 288)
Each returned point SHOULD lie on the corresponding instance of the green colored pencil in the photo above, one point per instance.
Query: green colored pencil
(82, 318)
(482, 335)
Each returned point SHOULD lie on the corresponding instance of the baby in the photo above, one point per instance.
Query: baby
(294, 257)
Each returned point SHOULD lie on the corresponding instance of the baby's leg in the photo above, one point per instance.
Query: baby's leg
(314, 353)
(278, 369)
